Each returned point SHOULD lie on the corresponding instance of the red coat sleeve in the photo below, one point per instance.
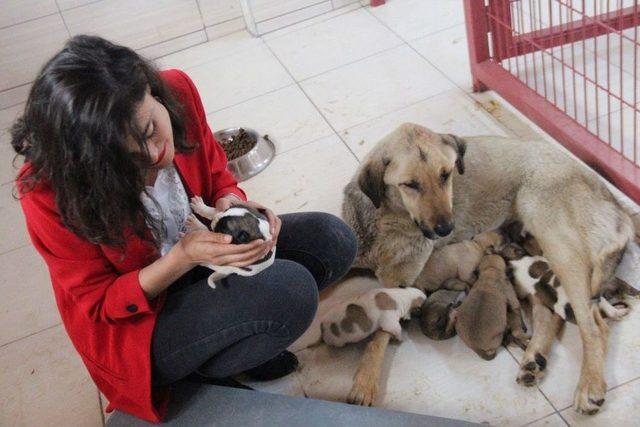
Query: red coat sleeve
(222, 180)
(80, 269)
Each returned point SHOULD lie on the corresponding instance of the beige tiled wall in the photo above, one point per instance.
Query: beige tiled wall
(31, 31)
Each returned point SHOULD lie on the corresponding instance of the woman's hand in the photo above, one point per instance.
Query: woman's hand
(206, 247)
(275, 223)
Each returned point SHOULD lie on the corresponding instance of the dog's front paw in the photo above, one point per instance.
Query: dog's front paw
(532, 369)
(589, 396)
(363, 392)
(198, 205)
(620, 310)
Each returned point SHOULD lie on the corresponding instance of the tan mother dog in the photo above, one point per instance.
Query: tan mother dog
(418, 190)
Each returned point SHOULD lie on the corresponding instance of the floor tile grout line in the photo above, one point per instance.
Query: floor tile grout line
(15, 249)
(270, 92)
(29, 335)
(306, 79)
(608, 391)
(345, 12)
(294, 11)
(100, 407)
(266, 41)
(563, 419)
(64, 21)
(539, 419)
(48, 15)
(415, 38)
(395, 110)
(140, 48)
(204, 26)
(312, 103)
(407, 43)
(539, 390)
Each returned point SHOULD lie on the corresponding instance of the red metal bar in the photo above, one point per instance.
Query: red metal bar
(375, 3)
(572, 31)
(608, 162)
(477, 30)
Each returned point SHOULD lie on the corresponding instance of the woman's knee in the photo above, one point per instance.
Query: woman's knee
(293, 295)
(338, 239)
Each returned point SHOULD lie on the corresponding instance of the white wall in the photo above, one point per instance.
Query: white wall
(31, 31)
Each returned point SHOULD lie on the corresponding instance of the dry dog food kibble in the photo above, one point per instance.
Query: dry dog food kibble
(238, 145)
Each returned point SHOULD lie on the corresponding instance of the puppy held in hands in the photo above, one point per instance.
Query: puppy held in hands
(490, 311)
(457, 261)
(243, 223)
(436, 320)
(378, 309)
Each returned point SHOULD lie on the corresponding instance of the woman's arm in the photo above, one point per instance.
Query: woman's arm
(81, 269)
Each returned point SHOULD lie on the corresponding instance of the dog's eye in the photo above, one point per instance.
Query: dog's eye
(414, 185)
(444, 176)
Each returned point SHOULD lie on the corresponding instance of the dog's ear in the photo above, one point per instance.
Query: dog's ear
(458, 144)
(371, 179)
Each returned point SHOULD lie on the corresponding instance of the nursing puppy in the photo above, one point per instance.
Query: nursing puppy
(532, 276)
(436, 315)
(378, 309)
(457, 261)
(534, 281)
(244, 224)
(490, 311)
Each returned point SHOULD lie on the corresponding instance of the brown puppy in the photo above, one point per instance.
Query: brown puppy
(436, 320)
(490, 310)
(457, 261)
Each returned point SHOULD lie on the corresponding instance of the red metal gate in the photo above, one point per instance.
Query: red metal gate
(572, 67)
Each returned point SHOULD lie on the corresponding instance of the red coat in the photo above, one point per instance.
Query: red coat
(103, 308)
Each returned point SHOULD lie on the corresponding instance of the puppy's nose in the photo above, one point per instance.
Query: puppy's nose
(443, 228)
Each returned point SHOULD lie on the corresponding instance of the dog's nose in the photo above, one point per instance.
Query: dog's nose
(443, 228)
(426, 232)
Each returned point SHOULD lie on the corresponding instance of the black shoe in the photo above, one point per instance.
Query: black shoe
(223, 382)
(281, 365)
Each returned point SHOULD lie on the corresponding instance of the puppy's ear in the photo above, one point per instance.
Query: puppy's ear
(371, 179)
(458, 144)
(451, 321)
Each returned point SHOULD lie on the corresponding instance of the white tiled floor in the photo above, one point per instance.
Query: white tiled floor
(325, 90)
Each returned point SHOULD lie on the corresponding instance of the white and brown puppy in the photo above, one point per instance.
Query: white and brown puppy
(457, 261)
(532, 276)
(378, 309)
(244, 224)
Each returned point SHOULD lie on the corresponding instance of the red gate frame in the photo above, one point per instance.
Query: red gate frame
(488, 74)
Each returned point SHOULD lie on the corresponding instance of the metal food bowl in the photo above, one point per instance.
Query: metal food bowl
(255, 160)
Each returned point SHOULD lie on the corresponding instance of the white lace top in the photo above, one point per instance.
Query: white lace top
(170, 194)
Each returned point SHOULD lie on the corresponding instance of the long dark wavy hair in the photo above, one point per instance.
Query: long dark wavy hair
(74, 131)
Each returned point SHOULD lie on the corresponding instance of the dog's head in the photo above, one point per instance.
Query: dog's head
(412, 169)
(436, 320)
(491, 242)
(243, 224)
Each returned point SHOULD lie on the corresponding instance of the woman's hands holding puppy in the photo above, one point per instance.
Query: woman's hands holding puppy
(206, 247)
(224, 203)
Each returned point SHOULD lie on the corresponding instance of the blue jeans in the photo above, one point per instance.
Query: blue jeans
(247, 321)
